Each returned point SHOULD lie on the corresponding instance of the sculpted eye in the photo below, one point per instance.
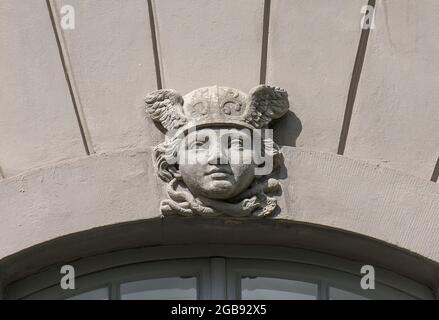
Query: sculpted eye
(236, 143)
(199, 143)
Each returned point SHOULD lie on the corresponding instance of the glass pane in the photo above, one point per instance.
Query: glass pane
(256, 288)
(339, 294)
(161, 289)
(98, 294)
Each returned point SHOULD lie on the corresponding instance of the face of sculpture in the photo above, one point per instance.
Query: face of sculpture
(217, 163)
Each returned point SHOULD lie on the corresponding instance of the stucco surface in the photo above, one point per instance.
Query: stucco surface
(37, 120)
(396, 115)
(112, 66)
(321, 188)
(210, 42)
(311, 53)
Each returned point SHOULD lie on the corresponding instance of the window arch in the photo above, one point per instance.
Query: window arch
(216, 272)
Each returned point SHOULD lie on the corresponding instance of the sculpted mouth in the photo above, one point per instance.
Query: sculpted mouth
(219, 171)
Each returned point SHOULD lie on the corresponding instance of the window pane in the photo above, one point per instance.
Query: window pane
(280, 289)
(98, 294)
(339, 294)
(163, 288)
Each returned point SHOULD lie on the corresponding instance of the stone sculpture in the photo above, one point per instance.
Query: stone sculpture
(217, 149)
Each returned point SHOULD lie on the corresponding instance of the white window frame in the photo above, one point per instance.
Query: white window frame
(324, 278)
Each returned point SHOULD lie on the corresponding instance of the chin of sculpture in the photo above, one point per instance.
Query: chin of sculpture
(207, 131)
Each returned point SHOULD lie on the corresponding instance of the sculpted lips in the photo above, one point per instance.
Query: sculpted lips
(219, 172)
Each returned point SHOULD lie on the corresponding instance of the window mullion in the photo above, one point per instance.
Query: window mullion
(218, 278)
(323, 290)
(115, 291)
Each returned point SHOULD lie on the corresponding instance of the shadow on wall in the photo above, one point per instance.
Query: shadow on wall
(287, 129)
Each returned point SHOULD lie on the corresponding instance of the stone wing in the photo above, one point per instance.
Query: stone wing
(165, 106)
(265, 104)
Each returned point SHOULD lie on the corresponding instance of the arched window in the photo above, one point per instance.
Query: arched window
(217, 272)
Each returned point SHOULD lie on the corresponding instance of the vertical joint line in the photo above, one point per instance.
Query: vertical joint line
(66, 74)
(155, 45)
(435, 176)
(264, 51)
(353, 86)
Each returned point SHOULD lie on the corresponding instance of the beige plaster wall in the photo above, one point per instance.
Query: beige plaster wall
(37, 120)
(396, 116)
(320, 188)
(311, 51)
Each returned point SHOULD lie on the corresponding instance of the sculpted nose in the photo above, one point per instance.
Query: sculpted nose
(217, 155)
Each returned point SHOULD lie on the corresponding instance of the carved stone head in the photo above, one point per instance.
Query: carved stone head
(219, 155)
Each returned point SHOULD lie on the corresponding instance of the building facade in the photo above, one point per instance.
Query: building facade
(358, 201)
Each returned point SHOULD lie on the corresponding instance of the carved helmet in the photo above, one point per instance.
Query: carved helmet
(216, 106)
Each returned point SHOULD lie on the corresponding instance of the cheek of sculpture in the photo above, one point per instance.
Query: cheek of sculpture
(216, 181)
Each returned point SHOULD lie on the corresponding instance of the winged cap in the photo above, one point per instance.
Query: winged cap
(217, 106)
